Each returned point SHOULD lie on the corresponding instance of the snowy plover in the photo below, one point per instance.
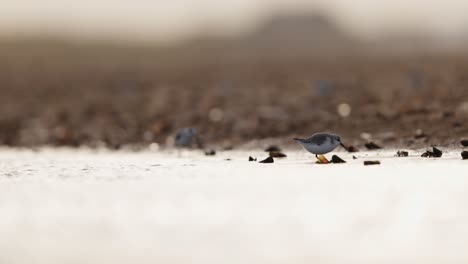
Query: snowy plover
(320, 143)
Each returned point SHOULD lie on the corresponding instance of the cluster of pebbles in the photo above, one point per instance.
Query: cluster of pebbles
(273, 152)
(189, 137)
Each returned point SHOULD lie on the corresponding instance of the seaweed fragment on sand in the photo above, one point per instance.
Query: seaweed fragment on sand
(371, 162)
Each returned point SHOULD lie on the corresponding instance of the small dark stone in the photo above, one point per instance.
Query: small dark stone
(372, 145)
(267, 160)
(252, 159)
(402, 153)
(277, 154)
(210, 152)
(336, 159)
(371, 162)
(352, 149)
(464, 142)
(272, 148)
(464, 154)
(354, 157)
(427, 154)
(228, 159)
(437, 152)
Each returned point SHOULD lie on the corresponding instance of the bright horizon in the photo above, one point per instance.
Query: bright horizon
(164, 21)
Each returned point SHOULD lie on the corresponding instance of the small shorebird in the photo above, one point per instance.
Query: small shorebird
(320, 143)
(187, 138)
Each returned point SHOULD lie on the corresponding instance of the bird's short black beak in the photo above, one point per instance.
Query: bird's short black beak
(343, 146)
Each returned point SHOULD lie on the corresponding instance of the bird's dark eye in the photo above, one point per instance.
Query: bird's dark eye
(338, 138)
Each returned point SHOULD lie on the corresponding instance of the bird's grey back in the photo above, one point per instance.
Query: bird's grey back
(320, 138)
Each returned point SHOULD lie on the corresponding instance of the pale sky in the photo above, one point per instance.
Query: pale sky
(171, 20)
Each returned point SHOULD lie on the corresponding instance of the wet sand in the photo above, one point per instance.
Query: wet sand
(82, 206)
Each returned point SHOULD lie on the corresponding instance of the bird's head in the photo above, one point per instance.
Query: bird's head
(338, 141)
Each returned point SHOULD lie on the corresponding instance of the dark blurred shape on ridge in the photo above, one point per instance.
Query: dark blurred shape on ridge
(305, 32)
(283, 35)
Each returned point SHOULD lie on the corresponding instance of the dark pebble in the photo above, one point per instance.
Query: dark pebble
(352, 149)
(252, 159)
(464, 154)
(427, 154)
(277, 154)
(371, 162)
(354, 157)
(272, 148)
(267, 160)
(464, 142)
(210, 152)
(437, 152)
(228, 159)
(336, 159)
(372, 145)
(402, 153)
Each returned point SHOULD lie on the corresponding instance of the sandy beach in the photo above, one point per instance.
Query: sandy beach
(85, 206)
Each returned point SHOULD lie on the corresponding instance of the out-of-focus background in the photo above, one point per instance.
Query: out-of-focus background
(112, 73)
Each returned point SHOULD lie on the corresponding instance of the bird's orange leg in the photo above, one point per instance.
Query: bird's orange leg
(321, 159)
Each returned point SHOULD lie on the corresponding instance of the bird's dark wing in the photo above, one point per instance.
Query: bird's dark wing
(317, 139)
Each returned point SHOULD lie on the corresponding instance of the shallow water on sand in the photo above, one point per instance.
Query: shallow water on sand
(80, 206)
